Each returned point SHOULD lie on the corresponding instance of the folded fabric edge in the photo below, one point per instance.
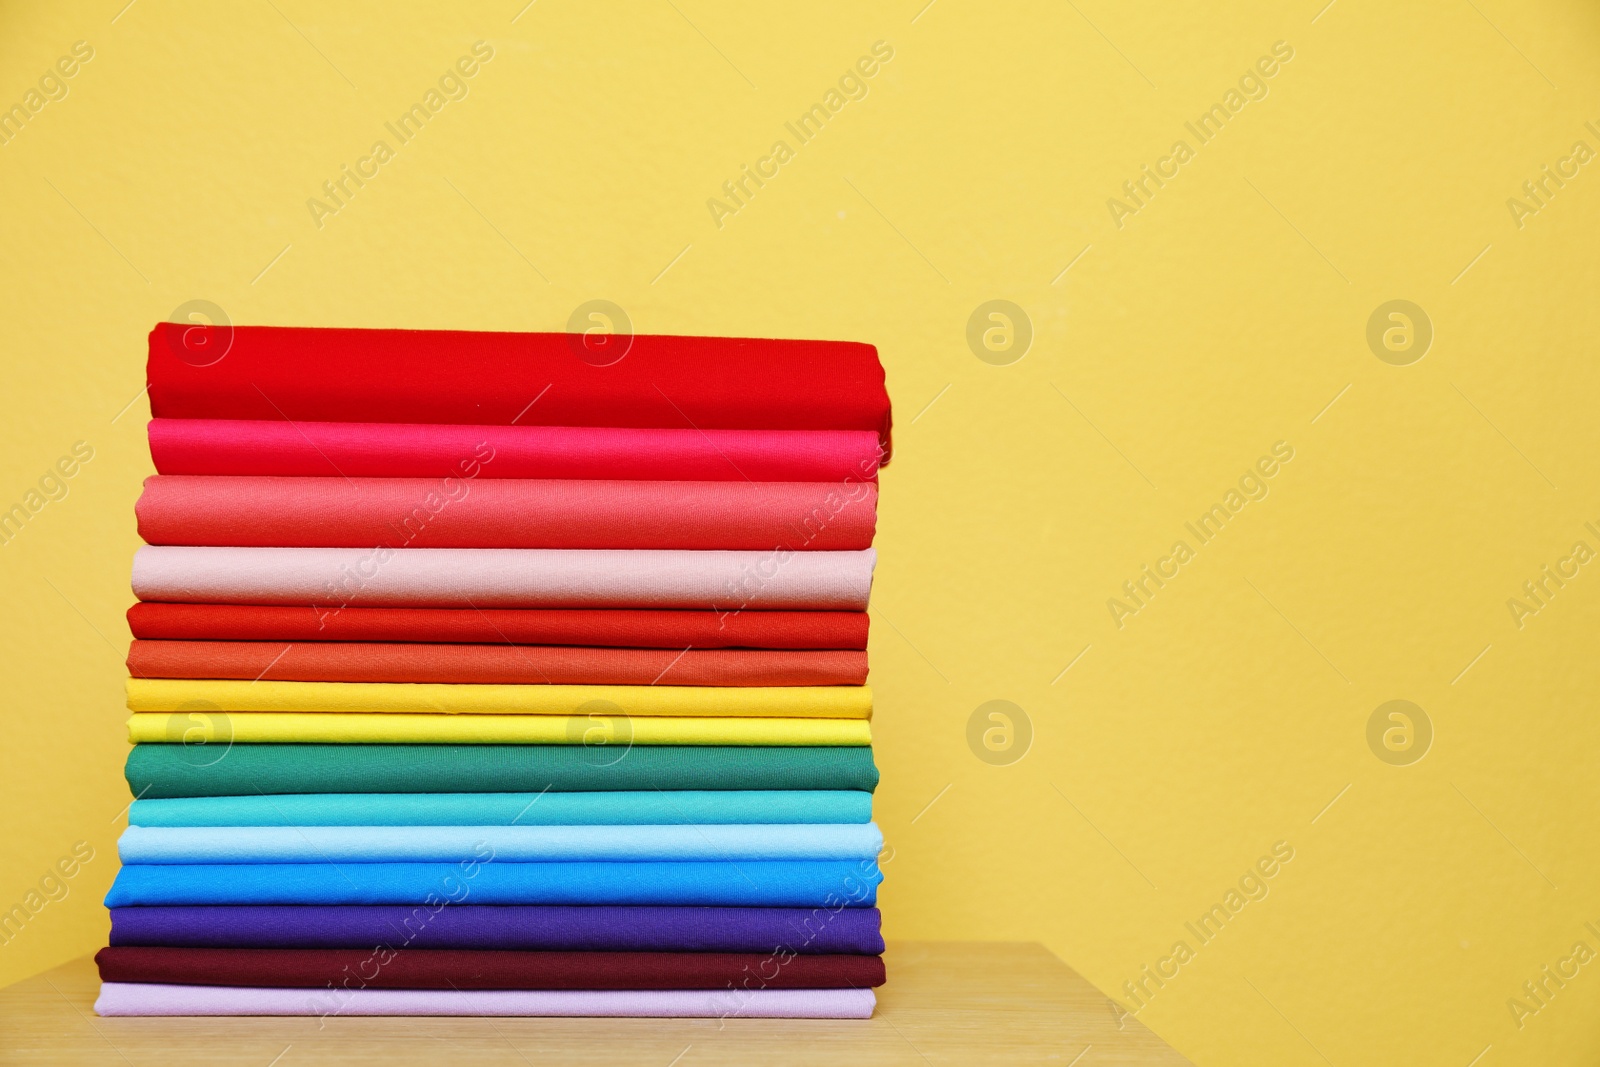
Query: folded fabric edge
(530, 844)
(271, 727)
(186, 694)
(152, 999)
(748, 807)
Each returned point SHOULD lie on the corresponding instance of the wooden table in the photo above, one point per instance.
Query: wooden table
(946, 1002)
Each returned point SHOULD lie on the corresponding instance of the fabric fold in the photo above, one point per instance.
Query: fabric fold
(604, 731)
(300, 374)
(502, 664)
(488, 880)
(156, 999)
(209, 770)
(180, 509)
(787, 931)
(483, 969)
(609, 627)
(423, 450)
(638, 701)
(511, 844)
(650, 807)
(331, 579)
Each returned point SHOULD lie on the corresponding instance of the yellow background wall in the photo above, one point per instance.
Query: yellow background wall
(1227, 314)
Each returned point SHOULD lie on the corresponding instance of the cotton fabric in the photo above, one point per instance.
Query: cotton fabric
(790, 931)
(648, 807)
(299, 374)
(605, 731)
(611, 628)
(481, 969)
(488, 880)
(502, 664)
(413, 450)
(513, 844)
(177, 509)
(209, 770)
(333, 578)
(152, 999)
(641, 701)
(501, 674)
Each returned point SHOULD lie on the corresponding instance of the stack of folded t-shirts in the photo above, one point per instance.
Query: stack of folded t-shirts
(475, 676)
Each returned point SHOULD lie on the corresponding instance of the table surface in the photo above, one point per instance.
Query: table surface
(947, 1002)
